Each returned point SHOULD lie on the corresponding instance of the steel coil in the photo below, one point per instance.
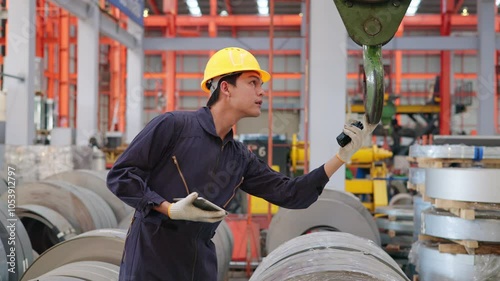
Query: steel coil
(463, 184)
(84, 209)
(328, 256)
(3, 186)
(419, 205)
(433, 265)
(223, 241)
(45, 226)
(82, 270)
(11, 229)
(125, 222)
(401, 199)
(102, 245)
(95, 181)
(333, 211)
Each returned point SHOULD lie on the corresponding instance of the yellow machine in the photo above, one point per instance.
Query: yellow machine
(372, 190)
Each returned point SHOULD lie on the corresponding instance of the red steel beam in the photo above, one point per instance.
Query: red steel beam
(64, 68)
(424, 21)
(154, 7)
(447, 9)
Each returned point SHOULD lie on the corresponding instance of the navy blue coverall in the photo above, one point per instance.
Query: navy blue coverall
(178, 153)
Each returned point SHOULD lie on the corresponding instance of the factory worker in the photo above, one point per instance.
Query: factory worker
(190, 154)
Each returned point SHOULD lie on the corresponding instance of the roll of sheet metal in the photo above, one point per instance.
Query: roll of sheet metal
(95, 181)
(102, 245)
(454, 152)
(433, 265)
(223, 240)
(84, 209)
(4, 273)
(83, 270)
(3, 186)
(11, 229)
(334, 210)
(125, 222)
(398, 226)
(328, 256)
(402, 212)
(460, 184)
(485, 227)
(418, 206)
(401, 199)
(45, 226)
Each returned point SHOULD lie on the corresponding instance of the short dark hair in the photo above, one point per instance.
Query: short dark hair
(231, 79)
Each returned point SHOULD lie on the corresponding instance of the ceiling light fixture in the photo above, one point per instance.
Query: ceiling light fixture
(465, 12)
(263, 7)
(194, 8)
(413, 8)
(224, 13)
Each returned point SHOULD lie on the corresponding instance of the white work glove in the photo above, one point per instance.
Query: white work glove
(358, 137)
(185, 210)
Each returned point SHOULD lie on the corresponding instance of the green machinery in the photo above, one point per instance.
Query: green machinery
(371, 24)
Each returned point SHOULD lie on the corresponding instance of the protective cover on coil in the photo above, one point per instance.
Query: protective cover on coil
(413, 255)
(416, 175)
(454, 151)
(328, 256)
(35, 162)
(487, 268)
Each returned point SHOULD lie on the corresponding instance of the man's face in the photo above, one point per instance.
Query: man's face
(247, 95)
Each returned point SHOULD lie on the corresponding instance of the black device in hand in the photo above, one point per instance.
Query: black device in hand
(344, 139)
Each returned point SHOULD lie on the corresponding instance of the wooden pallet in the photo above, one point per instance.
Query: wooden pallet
(464, 247)
(462, 209)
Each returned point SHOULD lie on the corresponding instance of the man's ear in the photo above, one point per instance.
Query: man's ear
(224, 88)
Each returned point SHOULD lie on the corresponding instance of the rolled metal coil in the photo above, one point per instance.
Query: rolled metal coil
(328, 256)
(223, 240)
(454, 152)
(463, 184)
(82, 270)
(3, 186)
(333, 211)
(485, 227)
(401, 199)
(96, 182)
(403, 212)
(419, 205)
(125, 222)
(102, 245)
(45, 226)
(433, 265)
(23, 255)
(84, 209)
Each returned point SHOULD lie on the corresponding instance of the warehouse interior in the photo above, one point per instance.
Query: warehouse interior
(418, 201)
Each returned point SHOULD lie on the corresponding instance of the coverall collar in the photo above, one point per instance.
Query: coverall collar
(204, 116)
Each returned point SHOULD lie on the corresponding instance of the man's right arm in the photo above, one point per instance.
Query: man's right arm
(127, 179)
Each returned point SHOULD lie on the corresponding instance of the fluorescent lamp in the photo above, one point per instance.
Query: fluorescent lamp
(194, 8)
(263, 7)
(413, 8)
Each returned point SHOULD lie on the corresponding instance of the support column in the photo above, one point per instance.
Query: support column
(328, 72)
(20, 61)
(445, 87)
(135, 85)
(88, 76)
(486, 11)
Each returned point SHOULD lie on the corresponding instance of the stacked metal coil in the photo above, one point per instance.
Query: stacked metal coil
(328, 256)
(459, 234)
(223, 240)
(94, 255)
(333, 211)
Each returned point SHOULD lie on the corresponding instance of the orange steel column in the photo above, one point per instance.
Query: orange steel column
(212, 27)
(447, 8)
(114, 56)
(63, 68)
(170, 9)
(123, 93)
(40, 28)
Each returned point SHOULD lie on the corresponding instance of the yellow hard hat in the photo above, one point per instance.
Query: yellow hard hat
(230, 60)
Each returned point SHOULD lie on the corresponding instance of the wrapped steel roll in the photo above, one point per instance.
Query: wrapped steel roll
(45, 226)
(11, 229)
(433, 265)
(333, 211)
(102, 245)
(82, 270)
(84, 209)
(95, 181)
(454, 151)
(419, 205)
(328, 256)
(125, 222)
(3, 186)
(485, 227)
(463, 184)
(223, 240)
(403, 199)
